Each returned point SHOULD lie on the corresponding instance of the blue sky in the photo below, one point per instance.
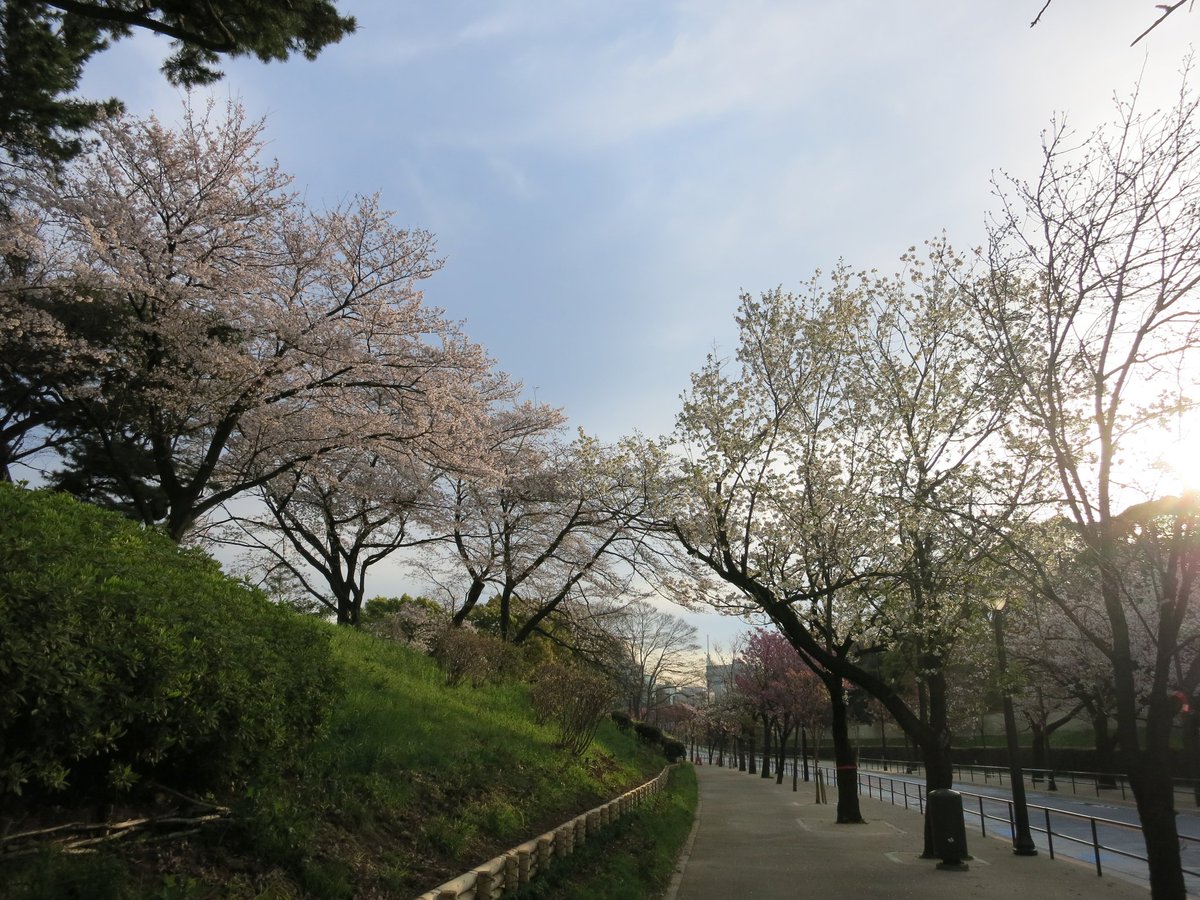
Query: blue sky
(605, 177)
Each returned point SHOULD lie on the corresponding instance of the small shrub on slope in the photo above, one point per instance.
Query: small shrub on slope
(574, 700)
(125, 658)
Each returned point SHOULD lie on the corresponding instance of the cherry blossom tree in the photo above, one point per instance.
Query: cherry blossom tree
(328, 523)
(332, 519)
(1093, 311)
(821, 473)
(256, 335)
(559, 521)
(783, 691)
(39, 322)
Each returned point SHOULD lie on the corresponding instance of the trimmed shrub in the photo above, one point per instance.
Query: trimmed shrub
(465, 654)
(624, 722)
(647, 734)
(574, 700)
(126, 658)
(673, 750)
(414, 621)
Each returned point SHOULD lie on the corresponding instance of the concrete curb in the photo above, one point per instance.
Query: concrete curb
(686, 853)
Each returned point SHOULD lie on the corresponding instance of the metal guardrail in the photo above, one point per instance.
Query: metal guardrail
(1092, 783)
(897, 791)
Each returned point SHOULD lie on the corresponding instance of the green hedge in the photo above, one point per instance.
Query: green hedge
(124, 658)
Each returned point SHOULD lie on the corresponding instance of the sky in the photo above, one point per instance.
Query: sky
(605, 178)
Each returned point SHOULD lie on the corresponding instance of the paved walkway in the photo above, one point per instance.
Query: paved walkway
(755, 840)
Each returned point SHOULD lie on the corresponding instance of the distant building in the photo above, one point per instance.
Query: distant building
(692, 694)
(718, 678)
(673, 695)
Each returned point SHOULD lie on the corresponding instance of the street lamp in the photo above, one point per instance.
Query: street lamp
(1022, 840)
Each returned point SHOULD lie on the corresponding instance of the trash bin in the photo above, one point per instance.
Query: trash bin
(945, 811)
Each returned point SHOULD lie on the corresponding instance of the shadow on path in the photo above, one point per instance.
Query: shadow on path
(755, 840)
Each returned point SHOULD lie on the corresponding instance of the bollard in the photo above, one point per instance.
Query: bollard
(945, 811)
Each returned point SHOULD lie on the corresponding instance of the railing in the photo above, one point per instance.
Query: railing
(1091, 783)
(982, 808)
(506, 873)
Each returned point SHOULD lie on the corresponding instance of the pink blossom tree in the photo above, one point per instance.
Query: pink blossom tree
(256, 336)
(328, 522)
(782, 690)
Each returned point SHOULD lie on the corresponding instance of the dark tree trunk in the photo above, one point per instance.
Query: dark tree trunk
(1154, 792)
(844, 756)
(795, 768)
(804, 751)
(781, 755)
(474, 592)
(753, 764)
(1105, 745)
(505, 614)
(939, 773)
(883, 751)
(935, 746)
(766, 759)
(1191, 747)
(1038, 730)
(1040, 743)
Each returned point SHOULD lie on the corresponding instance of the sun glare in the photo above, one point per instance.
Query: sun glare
(1173, 461)
(1181, 460)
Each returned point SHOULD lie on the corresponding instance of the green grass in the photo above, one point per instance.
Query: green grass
(415, 783)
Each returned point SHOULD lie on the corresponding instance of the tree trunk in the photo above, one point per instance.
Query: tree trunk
(883, 751)
(804, 750)
(347, 609)
(935, 742)
(474, 592)
(781, 756)
(753, 764)
(1040, 758)
(505, 613)
(766, 760)
(844, 757)
(1191, 747)
(1104, 750)
(795, 768)
(1154, 792)
(939, 774)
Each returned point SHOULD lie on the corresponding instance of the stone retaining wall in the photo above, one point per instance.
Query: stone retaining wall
(508, 871)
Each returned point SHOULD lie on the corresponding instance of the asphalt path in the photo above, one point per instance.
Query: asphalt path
(755, 840)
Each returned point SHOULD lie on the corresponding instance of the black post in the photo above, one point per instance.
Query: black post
(1022, 840)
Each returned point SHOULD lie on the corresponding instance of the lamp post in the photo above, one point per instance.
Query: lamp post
(1022, 840)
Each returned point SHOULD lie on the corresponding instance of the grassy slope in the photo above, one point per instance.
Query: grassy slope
(448, 777)
(636, 860)
(415, 783)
